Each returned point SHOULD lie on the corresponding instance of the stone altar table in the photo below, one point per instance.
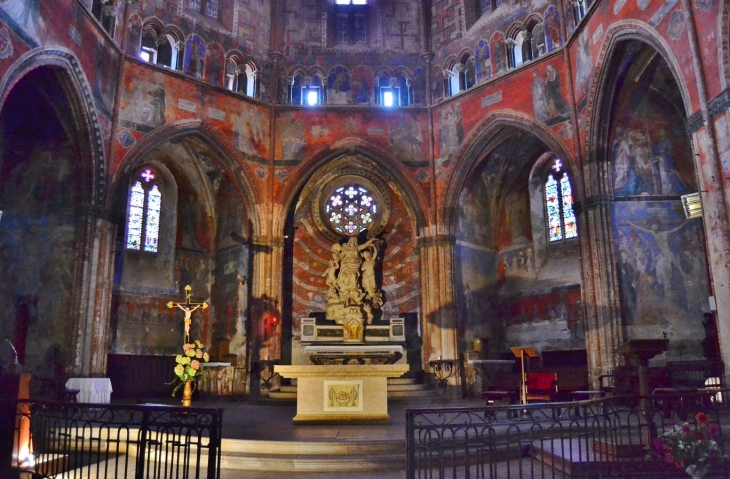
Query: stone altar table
(342, 394)
(217, 380)
(91, 390)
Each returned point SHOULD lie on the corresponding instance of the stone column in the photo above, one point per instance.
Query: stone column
(601, 308)
(93, 294)
(440, 331)
(268, 262)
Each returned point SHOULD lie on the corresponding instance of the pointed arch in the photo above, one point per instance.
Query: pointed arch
(599, 92)
(317, 165)
(482, 140)
(81, 101)
(227, 156)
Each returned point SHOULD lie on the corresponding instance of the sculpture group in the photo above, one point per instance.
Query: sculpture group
(352, 292)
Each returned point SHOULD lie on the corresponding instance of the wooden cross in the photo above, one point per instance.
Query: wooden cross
(188, 306)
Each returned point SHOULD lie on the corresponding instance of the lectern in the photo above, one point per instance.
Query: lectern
(521, 352)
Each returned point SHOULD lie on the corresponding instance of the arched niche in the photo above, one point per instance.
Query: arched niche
(208, 231)
(500, 256)
(661, 279)
(308, 249)
(45, 182)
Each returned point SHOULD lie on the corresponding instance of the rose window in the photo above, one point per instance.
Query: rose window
(351, 209)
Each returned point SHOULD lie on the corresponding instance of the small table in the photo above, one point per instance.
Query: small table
(91, 390)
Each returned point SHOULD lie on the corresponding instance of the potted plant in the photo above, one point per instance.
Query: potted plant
(189, 369)
(693, 449)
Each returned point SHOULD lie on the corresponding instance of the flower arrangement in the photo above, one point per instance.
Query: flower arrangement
(692, 449)
(189, 364)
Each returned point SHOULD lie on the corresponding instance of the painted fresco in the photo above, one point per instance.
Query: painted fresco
(553, 39)
(214, 64)
(194, 62)
(419, 86)
(45, 284)
(361, 86)
(584, 64)
(23, 15)
(406, 138)
(338, 86)
(451, 132)
(146, 105)
(663, 273)
(499, 47)
(549, 105)
(547, 322)
(483, 62)
(250, 130)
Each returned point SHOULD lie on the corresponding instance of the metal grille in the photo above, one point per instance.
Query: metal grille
(589, 439)
(92, 440)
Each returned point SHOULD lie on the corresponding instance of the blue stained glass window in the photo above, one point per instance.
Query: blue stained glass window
(194, 5)
(350, 209)
(553, 209)
(561, 221)
(136, 216)
(211, 8)
(143, 220)
(152, 230)
(571, 228)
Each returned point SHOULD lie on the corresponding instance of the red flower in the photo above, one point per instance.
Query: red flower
(702, 419)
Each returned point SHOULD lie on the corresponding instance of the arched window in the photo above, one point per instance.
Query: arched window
(539, 45)
(143, 213)
(241, 78)
(561, 222)
(163, 50)
(105, 12)
(393, 91)
(580, 7)
(521, 50)
(307, 90)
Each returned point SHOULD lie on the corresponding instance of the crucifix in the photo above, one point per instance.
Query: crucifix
(188, 306)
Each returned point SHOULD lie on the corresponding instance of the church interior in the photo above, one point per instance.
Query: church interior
(462, 177)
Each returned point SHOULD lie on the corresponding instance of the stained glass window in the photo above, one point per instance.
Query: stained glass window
(561, 220)
(571, 228)
(145, 204)
(136, 215)
(194, 5)
(211, 8)
(351, 209)
(553, 209)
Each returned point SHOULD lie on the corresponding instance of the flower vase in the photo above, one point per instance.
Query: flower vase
(695, 471)
(187, 399)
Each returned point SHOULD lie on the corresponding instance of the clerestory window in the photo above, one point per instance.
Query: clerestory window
(209, 8)
(561, 222)
(351, 22)
(143, 213)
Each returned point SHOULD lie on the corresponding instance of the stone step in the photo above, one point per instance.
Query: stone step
(408, 387)
(312, 456)
(283, 396)
(288, 388)
(401, 381)
(288, 463)
(424, 393)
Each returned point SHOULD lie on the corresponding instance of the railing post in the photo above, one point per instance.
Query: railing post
(214, 457)
(410, 446)
(142, 447)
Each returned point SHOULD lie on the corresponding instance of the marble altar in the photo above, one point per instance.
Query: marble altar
(342, 394)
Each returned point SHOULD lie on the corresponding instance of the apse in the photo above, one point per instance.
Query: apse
(44, 180)
(516, 256)
(660, 254)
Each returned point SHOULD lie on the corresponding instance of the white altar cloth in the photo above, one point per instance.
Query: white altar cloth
(91, 390)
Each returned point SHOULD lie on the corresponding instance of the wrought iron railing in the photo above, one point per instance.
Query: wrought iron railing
(73, 441)
(601, 438)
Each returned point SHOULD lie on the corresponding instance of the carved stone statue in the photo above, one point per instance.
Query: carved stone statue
(352, 292)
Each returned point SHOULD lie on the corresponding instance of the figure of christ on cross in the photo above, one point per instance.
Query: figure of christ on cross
(188, 306)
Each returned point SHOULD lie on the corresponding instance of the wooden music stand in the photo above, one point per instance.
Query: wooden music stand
(521, 352)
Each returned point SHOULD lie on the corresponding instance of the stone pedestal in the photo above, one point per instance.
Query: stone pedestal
(347, 394)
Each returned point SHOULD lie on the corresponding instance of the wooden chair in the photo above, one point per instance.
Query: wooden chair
(542, 387)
